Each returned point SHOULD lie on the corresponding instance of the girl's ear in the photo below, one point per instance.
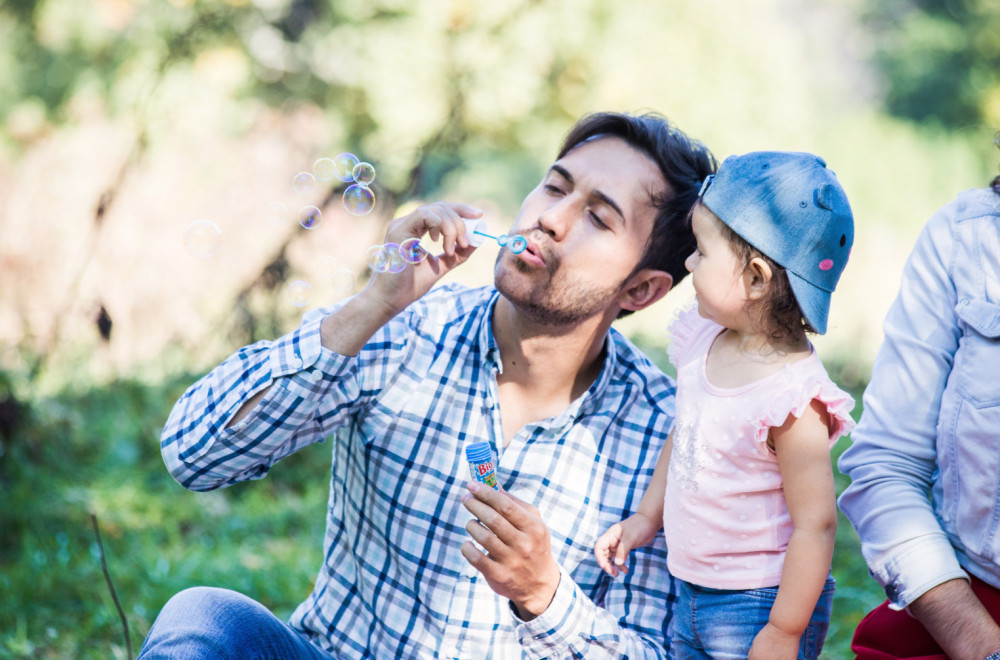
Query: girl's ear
(757, 278)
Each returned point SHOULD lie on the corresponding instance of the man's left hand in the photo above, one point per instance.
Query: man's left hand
(518, 564)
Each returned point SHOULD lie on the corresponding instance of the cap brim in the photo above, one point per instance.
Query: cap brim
(813, 301)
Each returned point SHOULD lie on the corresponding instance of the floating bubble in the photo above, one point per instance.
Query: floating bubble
(342, 279)
(299, 293)
(344, 166)
(303, 183)
(277, 213)
(518, 244)
(309, 217)
(325, 169)
(359, 199)
(377, 258)
(394, 261)
(412, 251)
(363, 173)
(202, 239)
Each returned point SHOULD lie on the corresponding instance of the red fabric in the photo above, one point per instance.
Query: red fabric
(886, 634)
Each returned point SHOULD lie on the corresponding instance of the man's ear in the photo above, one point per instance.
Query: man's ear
(644, 288)
(757, 278)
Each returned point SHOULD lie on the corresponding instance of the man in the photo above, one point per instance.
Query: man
(404, 377)
(924, 461)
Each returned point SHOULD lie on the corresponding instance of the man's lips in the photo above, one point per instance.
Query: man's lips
(532, 255)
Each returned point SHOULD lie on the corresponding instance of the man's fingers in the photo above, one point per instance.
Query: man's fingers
(485, 538)
(518, 513)
(489, 516)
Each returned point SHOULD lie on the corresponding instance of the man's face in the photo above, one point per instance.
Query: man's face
(587, 224)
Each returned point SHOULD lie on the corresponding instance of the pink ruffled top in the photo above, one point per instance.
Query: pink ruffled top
(724, 514)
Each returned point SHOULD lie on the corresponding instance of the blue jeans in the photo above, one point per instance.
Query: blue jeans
(205, 622)
(721, 625)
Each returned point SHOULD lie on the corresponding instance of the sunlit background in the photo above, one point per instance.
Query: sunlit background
(125, 121)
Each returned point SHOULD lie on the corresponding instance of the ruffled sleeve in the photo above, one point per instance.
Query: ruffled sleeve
(684, 332)
(798, 393)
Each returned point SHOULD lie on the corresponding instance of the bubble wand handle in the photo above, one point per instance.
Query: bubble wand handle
(475, 231)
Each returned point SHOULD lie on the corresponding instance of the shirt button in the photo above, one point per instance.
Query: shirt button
(315, 376)
(241, 426)
(295, 363)
(489, 402)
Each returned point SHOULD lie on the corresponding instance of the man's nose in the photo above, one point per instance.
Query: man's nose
(558, 218)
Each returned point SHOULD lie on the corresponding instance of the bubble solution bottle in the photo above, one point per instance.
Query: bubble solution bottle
(480, 459)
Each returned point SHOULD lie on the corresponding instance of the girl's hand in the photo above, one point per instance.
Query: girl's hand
(771, 643)
(613, 546)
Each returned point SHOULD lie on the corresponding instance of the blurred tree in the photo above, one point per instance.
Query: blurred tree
(940, 59)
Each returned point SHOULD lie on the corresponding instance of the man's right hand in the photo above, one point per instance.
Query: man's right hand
(439, 221)
(349, 328)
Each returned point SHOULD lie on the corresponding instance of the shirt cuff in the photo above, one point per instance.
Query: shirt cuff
(302, 351)
(553, 631)
(916, 567)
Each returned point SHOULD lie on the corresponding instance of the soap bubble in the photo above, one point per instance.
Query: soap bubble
(344, 166)
(202, 239)
(359, 199)
(277, 213)
(394, 261)
(299, 293)
(303, 183)
(377, 258)
(363, 173)
(342, 279)
(412, 251)
(325, 169)
(518, 244)
(309, 217)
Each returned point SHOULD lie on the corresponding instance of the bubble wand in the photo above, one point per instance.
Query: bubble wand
(413, 252)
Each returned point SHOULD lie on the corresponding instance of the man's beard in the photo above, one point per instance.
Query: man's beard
(555, 302)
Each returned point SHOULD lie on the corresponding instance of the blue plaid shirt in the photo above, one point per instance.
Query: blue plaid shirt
(393, 580)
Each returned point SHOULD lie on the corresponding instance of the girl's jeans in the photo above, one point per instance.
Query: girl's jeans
(721, 624)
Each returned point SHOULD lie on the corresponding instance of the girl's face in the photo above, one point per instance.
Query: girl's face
(716, 272)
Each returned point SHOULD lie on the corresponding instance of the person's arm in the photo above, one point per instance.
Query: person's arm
(270, 399)
(639, 529)
(802, 446)
(956, 618)
(893, 456)
(555, 617)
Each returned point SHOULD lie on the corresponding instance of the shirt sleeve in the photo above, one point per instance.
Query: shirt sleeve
(893, 458)
(312, 391)
(632, 624)
(684, 333)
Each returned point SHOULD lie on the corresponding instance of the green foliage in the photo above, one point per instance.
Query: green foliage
(96, 451)
(940, 59)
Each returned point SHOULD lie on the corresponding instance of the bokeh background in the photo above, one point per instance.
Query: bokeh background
(123, 121)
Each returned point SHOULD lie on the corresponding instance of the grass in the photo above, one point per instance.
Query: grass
(95, 451)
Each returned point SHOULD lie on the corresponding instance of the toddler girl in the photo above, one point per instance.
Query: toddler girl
(744, 486)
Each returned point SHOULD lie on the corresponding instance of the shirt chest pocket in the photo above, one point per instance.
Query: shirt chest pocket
(977, 361)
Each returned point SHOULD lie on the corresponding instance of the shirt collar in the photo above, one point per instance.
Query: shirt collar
(491, 359)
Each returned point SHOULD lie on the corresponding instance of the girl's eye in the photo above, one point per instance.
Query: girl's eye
(555, 190)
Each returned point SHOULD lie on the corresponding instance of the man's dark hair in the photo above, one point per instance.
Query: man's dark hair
(683, 162)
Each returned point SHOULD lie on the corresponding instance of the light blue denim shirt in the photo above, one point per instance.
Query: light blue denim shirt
(925, 458)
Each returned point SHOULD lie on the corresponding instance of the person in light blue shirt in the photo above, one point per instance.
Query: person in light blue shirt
(406, 374)
(925, 458)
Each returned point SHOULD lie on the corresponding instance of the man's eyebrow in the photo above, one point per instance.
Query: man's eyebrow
(564, 173)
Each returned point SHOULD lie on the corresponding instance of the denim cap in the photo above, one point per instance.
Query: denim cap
(791, 207)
